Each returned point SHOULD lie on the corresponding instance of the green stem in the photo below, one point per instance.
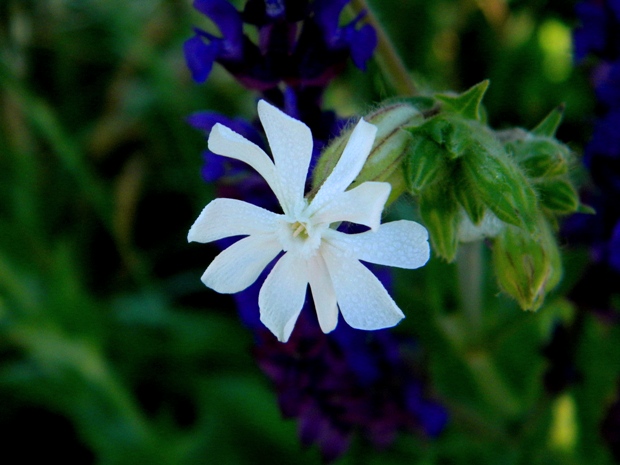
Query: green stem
(389, 61)
(469, 269)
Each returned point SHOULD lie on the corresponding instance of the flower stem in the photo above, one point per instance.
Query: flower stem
(389, 61)
(469, 269)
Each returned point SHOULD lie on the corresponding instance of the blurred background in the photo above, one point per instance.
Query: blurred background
(111, 349)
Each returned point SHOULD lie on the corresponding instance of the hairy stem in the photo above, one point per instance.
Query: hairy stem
(469, 269)
(389, 61)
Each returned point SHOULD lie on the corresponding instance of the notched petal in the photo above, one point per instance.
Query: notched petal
(230, 217)
(226, 142)
(282, 296)
(403, 244)
(291, 143)
(349, 165)
(237, 267)
(363, 301)
(361, 205)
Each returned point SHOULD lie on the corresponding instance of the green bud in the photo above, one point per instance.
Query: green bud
(527, 267)
(440, 214)
(540, 156)
(558, 195)
(499, 182)
(385, 160)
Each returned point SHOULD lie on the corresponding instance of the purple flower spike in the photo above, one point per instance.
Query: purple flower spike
(599, 33)
(300, 42)
(614, 248)
(199, 55)
(347, 383)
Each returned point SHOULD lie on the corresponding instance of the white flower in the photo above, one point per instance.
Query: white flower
(314, 253)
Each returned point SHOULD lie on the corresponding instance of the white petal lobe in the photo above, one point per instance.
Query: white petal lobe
(362, 205)
(282, 296)
(230, 217)
(323, 293)
(237, 267)
(226, 142)
(350, 164)
(403, 244)
(291, 146)
(363, 301)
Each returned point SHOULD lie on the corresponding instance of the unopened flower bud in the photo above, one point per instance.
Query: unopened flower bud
(386, 157)
(527, 267)
(558, 195)
(540, 156)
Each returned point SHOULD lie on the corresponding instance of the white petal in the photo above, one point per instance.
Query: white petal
(226, 142)
(403, 244)
(237, 267)
(323, 293)
(363, 301)
(282, 296)
(229, 217)
(291, 146)
(362, 205)
(350, 164)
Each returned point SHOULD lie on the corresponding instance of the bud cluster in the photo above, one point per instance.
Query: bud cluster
(472, 182)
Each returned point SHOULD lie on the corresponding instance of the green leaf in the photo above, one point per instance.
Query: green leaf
(468, 103)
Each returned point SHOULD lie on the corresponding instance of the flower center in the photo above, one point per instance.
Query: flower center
(300, 236)
(300, 229)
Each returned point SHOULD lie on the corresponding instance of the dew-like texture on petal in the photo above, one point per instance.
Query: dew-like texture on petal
(237, 267)
(282, 295)
(403, 244)
(323, 293)
(363, 301)
(291, 146)
(348, 167)
(362, 205)
(231, 217)
(223, 141)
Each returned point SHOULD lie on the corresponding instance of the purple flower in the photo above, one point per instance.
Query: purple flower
(599, 33)
(599, 36)
(602, 154)
(300, 42)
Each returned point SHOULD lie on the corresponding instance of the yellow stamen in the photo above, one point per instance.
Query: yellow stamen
(299, 229)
